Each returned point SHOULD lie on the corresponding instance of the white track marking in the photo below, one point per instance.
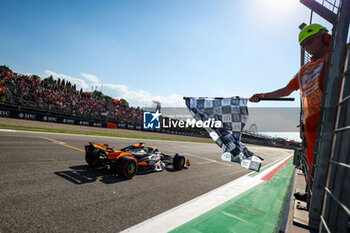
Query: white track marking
(6, 130)
(208, 160)
(204, 162)
(97, 136)
(181, 214)
(53, 140)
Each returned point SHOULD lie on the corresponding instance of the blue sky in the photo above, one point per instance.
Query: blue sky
(144, 50)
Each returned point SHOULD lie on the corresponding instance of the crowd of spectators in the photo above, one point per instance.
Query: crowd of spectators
(61, 97)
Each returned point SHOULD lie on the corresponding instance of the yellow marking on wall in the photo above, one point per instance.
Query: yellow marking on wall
(76, 148)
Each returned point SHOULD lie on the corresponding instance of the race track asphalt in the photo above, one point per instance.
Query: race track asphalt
(48, 187)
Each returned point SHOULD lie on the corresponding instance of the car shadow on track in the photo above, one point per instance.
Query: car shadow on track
(84, 174)
(173, 169)
(141, 173)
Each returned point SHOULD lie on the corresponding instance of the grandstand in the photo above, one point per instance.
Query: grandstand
(60, 97)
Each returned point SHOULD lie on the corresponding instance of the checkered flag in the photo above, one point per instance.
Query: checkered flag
(233, 113)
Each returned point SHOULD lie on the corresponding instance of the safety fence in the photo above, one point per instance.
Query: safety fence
(70, 120)
(329, 187)
(336, 214)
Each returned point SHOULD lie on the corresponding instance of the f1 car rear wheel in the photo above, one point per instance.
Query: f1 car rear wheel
(179, 162)
(126, 167)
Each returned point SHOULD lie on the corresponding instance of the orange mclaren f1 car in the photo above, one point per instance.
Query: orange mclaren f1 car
(132, 159)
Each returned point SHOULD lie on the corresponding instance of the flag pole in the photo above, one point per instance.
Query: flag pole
(262, 99)
(277, 99)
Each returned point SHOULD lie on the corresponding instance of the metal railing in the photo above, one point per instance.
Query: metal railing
(330, 5)
(329, 204)
(336, 206)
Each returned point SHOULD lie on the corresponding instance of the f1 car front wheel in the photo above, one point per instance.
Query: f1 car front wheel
(126, 167)
(179, 162)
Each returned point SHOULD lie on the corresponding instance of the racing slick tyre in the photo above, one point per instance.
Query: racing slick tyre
(126, 167)
(179, 162)
(92, 158)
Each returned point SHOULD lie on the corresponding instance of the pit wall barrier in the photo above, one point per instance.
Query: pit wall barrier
(27, 115)
(49, 117)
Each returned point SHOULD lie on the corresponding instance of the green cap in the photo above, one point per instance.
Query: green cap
(310, 30)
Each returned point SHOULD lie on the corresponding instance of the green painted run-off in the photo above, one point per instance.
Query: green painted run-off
(259, 209)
